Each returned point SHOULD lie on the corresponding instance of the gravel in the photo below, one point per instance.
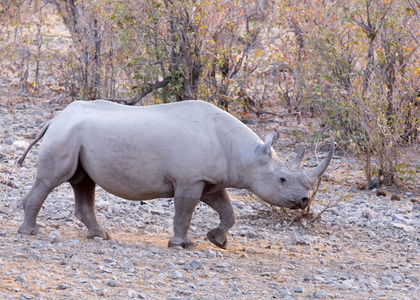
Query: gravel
(364, 247)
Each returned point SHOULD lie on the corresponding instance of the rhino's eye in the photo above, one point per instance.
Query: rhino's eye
(282, 180)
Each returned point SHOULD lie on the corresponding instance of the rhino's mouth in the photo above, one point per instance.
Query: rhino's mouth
(293, 204)
(297, 206)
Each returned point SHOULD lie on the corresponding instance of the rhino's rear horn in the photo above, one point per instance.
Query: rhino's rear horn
(295, 163)
(314, 174)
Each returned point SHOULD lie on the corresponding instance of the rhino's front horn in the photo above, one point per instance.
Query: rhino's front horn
(314, 174)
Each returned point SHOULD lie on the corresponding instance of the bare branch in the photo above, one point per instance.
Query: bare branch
(148, 89)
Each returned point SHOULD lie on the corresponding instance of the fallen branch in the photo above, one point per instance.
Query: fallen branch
(329, 205)
(250, 106)
(261, 112)
(315, 190)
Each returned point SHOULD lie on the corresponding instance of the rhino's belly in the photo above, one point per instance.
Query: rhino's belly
(138, 194)
(134, 183)
(135, 189)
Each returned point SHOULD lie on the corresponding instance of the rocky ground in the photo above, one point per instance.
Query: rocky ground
(365, 247)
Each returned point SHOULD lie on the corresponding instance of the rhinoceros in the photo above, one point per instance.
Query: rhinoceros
(191, 151)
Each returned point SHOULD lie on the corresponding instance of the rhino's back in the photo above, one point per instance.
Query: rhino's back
(193, 124)
(190, 111)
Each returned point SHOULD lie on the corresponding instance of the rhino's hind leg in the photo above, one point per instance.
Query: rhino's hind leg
(32, 203)
(221, 203)
(84, 196)
(185, 200)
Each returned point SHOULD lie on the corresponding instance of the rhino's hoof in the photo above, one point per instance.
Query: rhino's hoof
(217, 237)
(174, 242)
(28, 230)
(99, 233)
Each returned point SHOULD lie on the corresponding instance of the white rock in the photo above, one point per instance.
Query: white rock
(102, 205)
(54, 237)
(347, 284)
(176, 275)
(20, 145)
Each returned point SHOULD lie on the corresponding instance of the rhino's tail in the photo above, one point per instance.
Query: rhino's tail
(38, 137)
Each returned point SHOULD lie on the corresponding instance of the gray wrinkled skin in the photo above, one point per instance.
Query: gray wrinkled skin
(191, 151)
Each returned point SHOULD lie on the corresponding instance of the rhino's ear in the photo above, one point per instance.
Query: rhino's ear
(269, 140)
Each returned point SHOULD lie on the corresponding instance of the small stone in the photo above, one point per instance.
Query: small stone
(395, 197)
(298, 289)
(398, 225)
(282, 271)
(68, 254)
(373, 184)
(415, 200)
(111, 261)
(210, 253)
(59, 216)
(320, 271)
(176, 275)
(102, 205)
(346, 284)
(54, 237)
(353, 189)
(9, 140)
(4, 210)
(36, 244)
(239, 205)
(20, 145)
(107, 270)
(194, 264)
(369, 213)
(64, 262)
(372, 235)
(127, 264)
(111, 283)
(386, 281)
(202, 283)
(62, 287)
(380, 192)
(243, 255)
(396, 279)
(407, 207)
(296, 239)
(20, 278)
(132, 294)
(348, 235)
(319, 295)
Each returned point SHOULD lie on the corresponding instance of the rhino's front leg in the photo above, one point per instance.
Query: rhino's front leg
(84, 196)
(185, 200)
(221, 203)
